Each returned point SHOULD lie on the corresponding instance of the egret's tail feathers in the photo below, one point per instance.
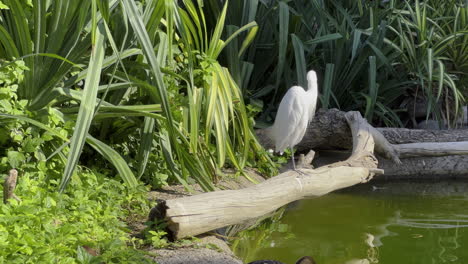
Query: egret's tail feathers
(270, 132)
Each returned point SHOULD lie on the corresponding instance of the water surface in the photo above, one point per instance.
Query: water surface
(390, 223)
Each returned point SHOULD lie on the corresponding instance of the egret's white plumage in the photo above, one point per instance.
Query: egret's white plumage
(296, 110)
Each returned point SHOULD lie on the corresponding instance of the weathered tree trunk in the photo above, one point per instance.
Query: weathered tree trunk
(432, 149)
(420, 168)
(453, 166)
(329, 130)
(404, 135)
(197, 214)
(429, 160)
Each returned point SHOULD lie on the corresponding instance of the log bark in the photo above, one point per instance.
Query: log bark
(197, 214)
(420, 168)
(433, 149)
(447, 167)
(329, 130)
(429, 160)
(404, 135)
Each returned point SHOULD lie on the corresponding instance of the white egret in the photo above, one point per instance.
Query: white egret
(296, 110)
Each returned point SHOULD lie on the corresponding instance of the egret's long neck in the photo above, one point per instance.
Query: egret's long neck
(312, 91)
(312, 87)
(312, 94)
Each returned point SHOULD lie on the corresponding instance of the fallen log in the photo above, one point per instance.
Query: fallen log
(329, 130)
(427, 160)
(405, 135)
(420, 168)
(447, 167)
(404, 147)
(189, 216)
(432, 149)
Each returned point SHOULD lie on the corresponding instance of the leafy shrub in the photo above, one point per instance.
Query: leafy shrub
(49, 227)
(156, 238)
(22, 144)
(429, 37)
(143, 67)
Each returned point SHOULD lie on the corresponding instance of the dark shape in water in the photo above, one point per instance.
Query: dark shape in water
(303, 260)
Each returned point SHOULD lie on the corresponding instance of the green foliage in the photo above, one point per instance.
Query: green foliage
(141, 69)
(41, 88)
(214, 118)
(127, 141)
(37, 136)
(12, 73)
(337, 39)
(143, 83)
(21, 143)
(27, 30)
(49, 227)
(364, 60)
(157, 239)
(429, 39)
(86, 111)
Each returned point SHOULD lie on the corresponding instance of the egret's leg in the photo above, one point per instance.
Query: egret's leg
(294, 163)
(292, 157)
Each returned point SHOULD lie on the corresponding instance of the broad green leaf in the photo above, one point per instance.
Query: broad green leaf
(36, 123)
(87, 104)
(15, 158)
(326, 38)
(327, 85)
(146, 144)
(282, 41)
(299, 55)
(216, 37)
(373, 89)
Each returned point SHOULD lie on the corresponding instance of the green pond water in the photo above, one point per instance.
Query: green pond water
(388, 223)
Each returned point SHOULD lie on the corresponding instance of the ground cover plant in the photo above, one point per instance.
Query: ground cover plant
(47, 226)
(70, 227)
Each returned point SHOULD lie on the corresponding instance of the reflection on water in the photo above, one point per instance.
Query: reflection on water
(385, 223)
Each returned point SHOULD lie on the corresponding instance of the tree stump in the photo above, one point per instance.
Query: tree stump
(9, 186)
